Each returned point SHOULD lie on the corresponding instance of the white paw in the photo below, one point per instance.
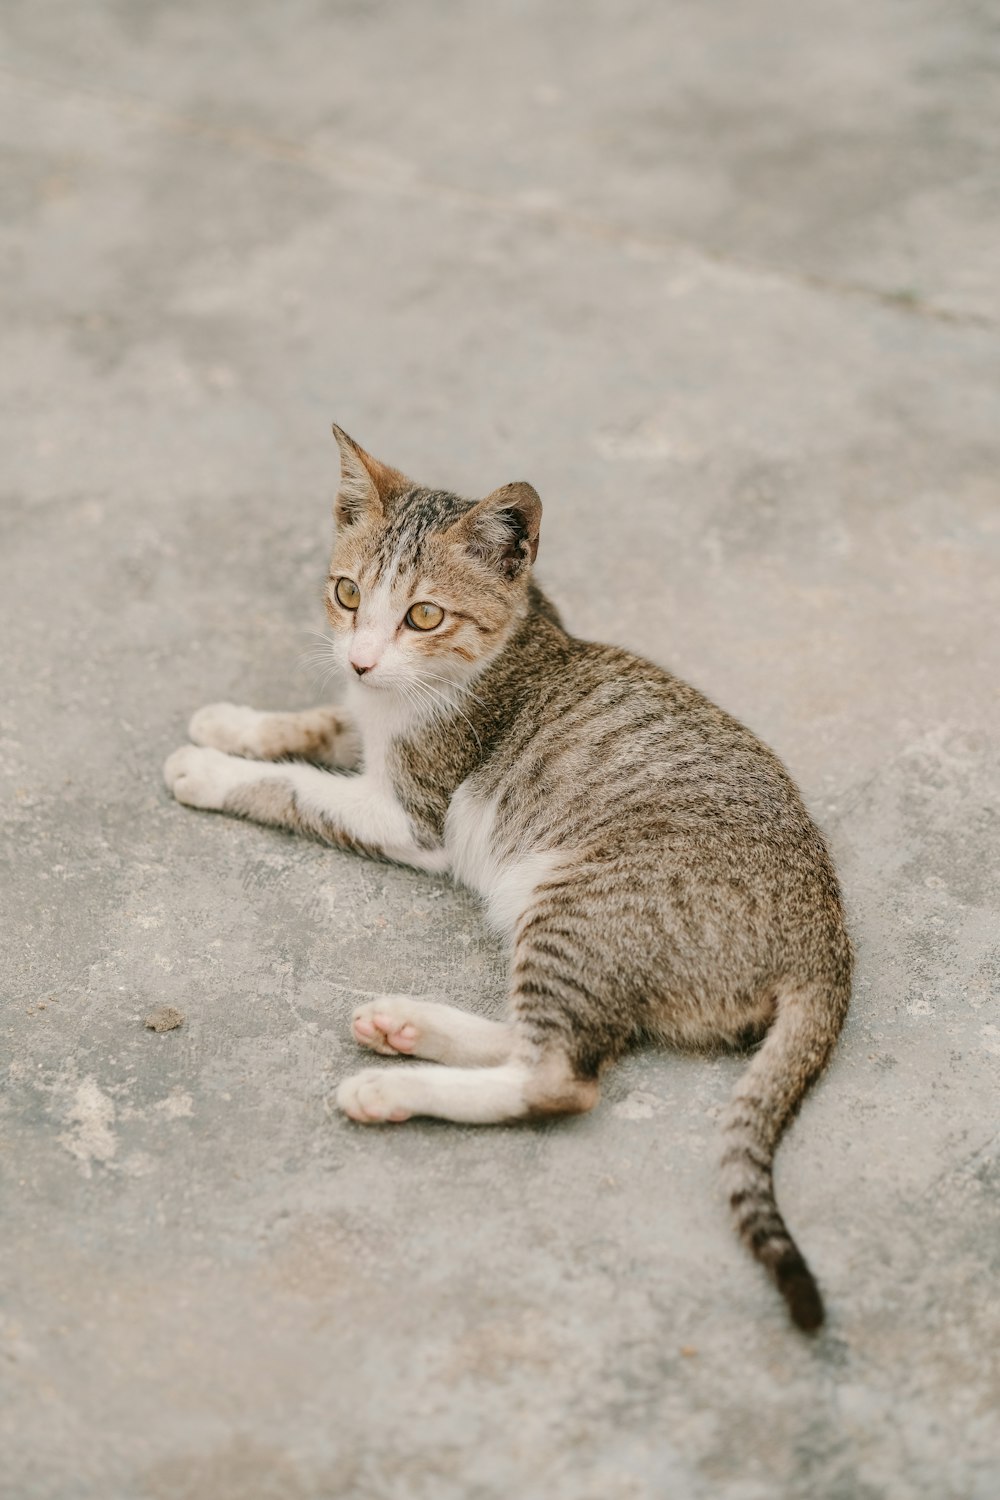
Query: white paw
(387, 1025)
(199, 777)
(373, 1097)
(226, 726)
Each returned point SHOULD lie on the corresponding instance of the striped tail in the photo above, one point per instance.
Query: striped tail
(793, 1053)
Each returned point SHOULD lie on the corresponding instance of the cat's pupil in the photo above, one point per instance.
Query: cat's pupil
(425, 616)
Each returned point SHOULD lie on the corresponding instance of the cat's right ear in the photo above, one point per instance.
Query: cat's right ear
(366, 486)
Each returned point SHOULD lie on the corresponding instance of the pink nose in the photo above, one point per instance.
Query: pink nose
(364, 652)
(363, 656)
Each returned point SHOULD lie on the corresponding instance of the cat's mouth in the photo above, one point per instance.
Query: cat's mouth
(375, 682)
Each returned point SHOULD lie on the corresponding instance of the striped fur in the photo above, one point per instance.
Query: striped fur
(650, 860)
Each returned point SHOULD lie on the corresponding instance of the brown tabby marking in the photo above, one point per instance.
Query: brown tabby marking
(650, 861)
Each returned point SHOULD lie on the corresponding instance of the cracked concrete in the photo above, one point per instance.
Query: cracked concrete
(722, 283)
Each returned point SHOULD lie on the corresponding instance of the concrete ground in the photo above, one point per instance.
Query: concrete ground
(723, 282)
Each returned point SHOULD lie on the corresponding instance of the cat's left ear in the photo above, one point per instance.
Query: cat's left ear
(366, 486)
(503, 529)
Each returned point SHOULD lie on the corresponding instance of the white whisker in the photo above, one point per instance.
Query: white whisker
(446, 704)
(319, 660)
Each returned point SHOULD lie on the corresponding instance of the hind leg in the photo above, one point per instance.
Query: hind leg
(554, 1051)
(566, 1024)
(399, 1025)
(523, 1088)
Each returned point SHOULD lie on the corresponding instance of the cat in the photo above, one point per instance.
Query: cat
(649, 859)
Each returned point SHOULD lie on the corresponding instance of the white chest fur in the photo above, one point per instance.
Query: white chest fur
(380, 718)
(505, 881)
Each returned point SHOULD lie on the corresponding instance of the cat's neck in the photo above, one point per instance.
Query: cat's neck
(535, 648)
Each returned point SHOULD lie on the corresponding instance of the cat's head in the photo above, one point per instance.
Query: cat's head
(424, 586)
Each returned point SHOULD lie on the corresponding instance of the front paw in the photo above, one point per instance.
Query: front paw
(226, 726)
(372, 1097)
(199, 777)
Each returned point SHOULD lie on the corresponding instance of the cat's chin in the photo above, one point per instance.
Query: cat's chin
(380, 688)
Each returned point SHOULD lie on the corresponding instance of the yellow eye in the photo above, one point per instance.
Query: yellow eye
(348, 593)
(424, 616)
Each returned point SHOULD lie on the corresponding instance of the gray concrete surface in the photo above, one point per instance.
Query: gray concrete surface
(722, 281)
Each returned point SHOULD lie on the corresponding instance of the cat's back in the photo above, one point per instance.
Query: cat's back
(613, 739)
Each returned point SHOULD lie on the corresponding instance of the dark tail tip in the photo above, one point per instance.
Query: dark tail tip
(797, 1285)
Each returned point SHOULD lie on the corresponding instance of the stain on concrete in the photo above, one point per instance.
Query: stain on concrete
(164, 1018)
(90, 1138)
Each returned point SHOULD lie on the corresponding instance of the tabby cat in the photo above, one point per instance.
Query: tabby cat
(649, 860)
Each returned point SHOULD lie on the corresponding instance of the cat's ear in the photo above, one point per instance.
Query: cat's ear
(366, 486)
(503, 529)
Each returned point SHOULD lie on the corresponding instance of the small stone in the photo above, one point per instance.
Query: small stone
(164, 1018)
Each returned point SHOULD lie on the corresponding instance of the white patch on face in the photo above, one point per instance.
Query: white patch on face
(386, 701)
(378, 639)
(372, 640)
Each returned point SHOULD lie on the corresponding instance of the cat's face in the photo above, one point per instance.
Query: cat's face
(424, 587)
